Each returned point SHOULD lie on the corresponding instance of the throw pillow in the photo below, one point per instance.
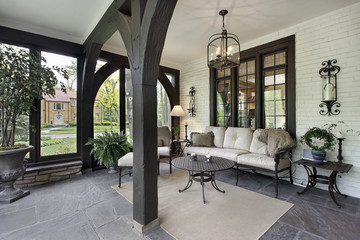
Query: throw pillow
(202, 139)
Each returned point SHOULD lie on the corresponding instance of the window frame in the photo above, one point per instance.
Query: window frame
(62, 107)
(257, 53)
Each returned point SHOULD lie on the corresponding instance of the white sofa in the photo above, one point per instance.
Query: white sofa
(242, 146)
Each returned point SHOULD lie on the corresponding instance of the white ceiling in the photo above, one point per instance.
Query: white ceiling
(192, 24)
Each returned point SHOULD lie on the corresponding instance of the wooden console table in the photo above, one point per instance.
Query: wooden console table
(313, 177)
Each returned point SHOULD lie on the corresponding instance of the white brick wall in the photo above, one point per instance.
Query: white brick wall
(335, 35)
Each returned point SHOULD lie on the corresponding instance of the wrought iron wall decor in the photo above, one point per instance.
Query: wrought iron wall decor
(191, 101)
(223, 49)
(329, 87)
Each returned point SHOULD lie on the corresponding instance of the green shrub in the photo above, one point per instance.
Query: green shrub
(47, 141)
(72, 124)
(46, 125)
(107, 123)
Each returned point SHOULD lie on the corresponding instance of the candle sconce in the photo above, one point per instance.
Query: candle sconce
(191, 101)
(329, 87)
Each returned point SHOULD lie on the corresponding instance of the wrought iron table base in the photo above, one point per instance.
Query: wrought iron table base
(202, 177)
(314, 178)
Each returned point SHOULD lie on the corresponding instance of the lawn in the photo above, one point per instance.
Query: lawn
(72, 130)
(61, 146)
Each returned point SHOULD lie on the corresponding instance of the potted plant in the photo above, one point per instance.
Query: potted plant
(108, 148)
(176, 132)
(319, 140)
(23, 80)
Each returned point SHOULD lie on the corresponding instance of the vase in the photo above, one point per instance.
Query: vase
(319, 156)
(112, 168)
(12, 166)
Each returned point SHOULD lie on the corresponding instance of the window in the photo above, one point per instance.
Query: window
(107, 104)
(274, 72)
(58, 106)
(263, 87)
(58, 122)
(246, 94)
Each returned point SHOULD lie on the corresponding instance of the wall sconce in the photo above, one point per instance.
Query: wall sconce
(191, 101)
(329, 87)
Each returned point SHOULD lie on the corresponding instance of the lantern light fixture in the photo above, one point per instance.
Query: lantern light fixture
(223, 49)
(329, 87)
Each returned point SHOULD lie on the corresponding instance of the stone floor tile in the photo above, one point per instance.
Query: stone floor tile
(76, 232)
(308, 236)
(17, 220)
(280, 231)
(46, 227)
(322, 221)
(120, 229)
(158, 233)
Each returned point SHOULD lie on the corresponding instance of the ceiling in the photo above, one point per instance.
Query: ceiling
(193, 21)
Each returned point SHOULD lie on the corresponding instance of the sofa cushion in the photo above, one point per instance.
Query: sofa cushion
(202, 139)
(228, 153)
(219, 133)
(256, 145)
(262, 161)
(238, 138)
(198, 150)
(164, 151)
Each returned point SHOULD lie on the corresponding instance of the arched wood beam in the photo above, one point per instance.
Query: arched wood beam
(86, 103)
(144, 35)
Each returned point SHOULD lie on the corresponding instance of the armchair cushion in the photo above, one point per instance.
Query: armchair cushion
(164, 135)
(164, 151)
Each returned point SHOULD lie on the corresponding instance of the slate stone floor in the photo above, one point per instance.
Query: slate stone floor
(86, 207)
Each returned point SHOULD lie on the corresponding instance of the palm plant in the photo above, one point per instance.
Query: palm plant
(109, 147)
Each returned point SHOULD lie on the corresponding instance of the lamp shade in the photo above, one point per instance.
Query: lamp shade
(177, 111)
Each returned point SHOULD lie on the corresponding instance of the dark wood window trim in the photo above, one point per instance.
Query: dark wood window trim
(288, 44)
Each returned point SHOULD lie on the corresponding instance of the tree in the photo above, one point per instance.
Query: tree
(23, 79)
(72, 72)
(108, 98)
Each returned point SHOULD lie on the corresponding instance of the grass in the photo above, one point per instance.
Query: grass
(72, 130)
(66, 145)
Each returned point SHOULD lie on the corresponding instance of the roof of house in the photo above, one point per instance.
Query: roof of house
(60, 96)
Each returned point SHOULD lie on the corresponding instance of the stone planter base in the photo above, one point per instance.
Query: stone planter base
(11, 194)
(12, 166)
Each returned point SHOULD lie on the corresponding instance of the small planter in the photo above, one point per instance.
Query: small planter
(112, 168)
(319, 156)
(12, 166)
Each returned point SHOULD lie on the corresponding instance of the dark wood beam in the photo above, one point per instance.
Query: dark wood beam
(144, 35)
(87, 103)
(105, 28)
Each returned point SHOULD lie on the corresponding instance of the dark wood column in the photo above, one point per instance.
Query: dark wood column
(144, 34)
(85, 116)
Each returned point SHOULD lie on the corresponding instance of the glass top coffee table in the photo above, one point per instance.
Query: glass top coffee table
(201, 170)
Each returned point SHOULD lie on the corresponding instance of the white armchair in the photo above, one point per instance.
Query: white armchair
(164, 145)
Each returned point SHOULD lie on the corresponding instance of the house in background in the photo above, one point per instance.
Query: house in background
(60, 110)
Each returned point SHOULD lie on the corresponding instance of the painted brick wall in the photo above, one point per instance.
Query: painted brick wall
(335, 35)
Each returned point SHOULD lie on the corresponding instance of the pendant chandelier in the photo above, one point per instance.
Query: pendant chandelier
(223, 50)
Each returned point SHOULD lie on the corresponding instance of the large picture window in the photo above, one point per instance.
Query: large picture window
(265, 89)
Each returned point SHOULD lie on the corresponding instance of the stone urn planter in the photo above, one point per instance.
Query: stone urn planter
(12, 166)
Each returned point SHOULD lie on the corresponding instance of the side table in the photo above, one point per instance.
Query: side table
(180, 149)
(313, 177)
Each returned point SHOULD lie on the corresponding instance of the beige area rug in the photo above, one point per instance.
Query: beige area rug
(237, 214)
